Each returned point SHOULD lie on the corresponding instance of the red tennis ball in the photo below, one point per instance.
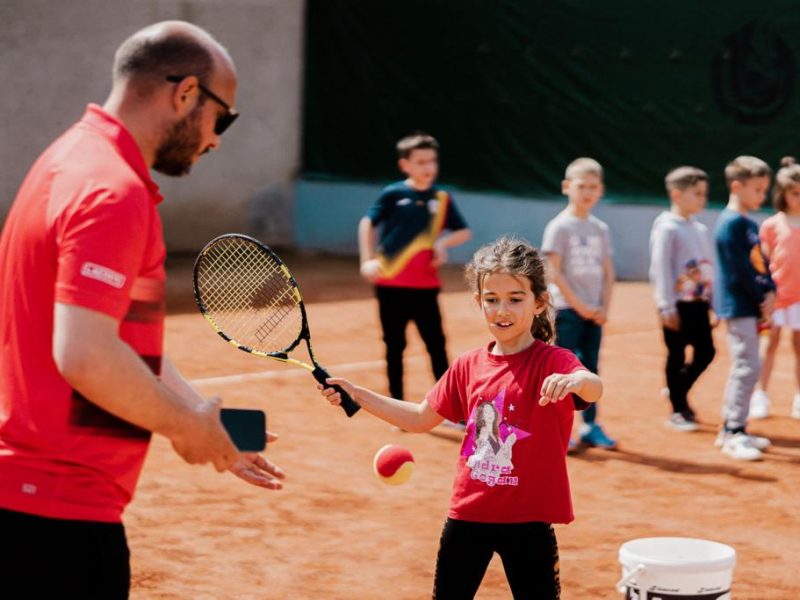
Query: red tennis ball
(393, 464)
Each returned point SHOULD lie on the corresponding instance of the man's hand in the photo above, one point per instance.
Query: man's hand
(204, 439)
(371, 269)
(257, 470)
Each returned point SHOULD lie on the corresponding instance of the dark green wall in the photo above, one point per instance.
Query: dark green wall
(514, 90)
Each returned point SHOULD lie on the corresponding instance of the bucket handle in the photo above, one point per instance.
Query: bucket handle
(623, 583)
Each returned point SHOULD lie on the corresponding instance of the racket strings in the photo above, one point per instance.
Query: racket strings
(249, 296)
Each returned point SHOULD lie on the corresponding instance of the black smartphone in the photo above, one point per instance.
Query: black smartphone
(247, 428)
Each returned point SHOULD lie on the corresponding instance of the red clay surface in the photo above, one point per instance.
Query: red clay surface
(335, 531)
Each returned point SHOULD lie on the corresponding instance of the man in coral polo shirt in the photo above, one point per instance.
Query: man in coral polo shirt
(83, 379)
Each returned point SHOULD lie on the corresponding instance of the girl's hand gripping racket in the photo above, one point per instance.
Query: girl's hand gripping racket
(251, 299)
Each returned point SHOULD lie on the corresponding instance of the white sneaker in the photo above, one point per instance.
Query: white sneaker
(796, 407)
(738, 447)
(759, 405)
(680, 423)
(758, 442)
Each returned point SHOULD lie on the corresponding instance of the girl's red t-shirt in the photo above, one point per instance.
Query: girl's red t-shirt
(512, 465)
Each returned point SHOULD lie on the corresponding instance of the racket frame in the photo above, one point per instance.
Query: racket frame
(319, 372)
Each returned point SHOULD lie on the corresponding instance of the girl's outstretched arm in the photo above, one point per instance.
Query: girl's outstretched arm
(582, 383)
(408, 416)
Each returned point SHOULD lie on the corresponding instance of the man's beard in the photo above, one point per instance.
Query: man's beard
(175, 155)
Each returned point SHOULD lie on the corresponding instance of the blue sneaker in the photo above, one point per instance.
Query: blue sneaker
(593, 435)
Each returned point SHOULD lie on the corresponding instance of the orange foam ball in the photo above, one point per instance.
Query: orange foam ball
(393, 464)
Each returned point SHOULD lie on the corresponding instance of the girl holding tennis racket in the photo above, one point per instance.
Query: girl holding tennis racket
(505, 506)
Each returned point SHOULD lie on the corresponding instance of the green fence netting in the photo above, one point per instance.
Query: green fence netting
(514, 90)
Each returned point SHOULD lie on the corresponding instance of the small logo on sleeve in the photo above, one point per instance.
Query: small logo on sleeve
(103, 274)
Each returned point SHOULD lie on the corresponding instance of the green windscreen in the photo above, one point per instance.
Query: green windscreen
(515, 90)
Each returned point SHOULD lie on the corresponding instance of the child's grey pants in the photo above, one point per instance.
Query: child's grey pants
(745, 367)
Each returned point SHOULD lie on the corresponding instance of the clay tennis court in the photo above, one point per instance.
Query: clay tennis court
(336, 532)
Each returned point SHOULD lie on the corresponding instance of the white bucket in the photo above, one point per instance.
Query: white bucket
(673, 568)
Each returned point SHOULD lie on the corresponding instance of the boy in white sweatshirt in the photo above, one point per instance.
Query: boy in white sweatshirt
(680, 273)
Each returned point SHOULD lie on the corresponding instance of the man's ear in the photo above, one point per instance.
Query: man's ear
(736, 186)
(565, 186)
(185, 95)
(674, 194)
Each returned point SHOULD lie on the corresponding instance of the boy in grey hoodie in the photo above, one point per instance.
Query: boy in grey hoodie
(680, 273)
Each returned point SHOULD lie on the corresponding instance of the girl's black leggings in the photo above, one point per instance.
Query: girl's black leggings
(528, 550)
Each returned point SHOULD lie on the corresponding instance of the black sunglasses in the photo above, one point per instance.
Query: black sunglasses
(224, 120)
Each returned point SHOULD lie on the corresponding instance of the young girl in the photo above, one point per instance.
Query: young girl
(780, 243)
(502, 502)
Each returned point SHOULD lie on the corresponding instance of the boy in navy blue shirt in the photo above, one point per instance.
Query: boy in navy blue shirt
(744, 294)
(418, 223)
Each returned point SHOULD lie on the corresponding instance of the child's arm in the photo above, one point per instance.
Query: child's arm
(767, 305)
(367, 239)
(449, 240)
(609, 276)
(556, 275)
(737, 247)
(662, 278)
(409, 416)
(582, 383)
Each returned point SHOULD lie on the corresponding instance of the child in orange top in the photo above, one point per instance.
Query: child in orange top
(780, 243)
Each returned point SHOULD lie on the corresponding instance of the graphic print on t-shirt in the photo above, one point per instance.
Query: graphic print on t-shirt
(490, 442)
(695, 281)
(757, 258)
(585, 255)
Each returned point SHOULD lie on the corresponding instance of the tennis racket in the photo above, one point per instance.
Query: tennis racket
(247, 294)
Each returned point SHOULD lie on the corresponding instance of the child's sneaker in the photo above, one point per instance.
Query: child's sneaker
(739, 447)
(757, 441)
(593, 435)
(759, 405)
(796, 407)
(681, 423)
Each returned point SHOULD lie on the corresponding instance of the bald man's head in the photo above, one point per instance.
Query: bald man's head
(175, 90)
(146, 58)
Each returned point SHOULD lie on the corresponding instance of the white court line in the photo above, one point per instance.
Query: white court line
(264, 375)
(342, 368)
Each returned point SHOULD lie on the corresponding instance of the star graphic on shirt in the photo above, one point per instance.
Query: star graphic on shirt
(503, 429)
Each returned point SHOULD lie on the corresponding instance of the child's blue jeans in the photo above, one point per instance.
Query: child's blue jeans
(582, 337)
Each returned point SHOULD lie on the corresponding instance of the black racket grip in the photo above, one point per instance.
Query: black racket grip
(349, 405)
